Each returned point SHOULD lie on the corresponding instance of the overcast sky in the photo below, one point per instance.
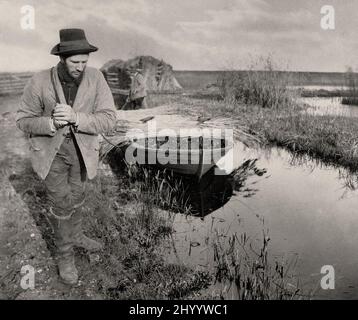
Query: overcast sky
(189, 34)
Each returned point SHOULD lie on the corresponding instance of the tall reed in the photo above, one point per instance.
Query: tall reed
(247, 272)
(262, 84)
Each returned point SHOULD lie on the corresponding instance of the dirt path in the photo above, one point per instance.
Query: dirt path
(22, 210)
(21, 243)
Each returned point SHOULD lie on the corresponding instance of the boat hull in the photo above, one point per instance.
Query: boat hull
(194, 161)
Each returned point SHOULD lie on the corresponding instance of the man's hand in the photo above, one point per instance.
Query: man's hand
(59, 124)
(64, 113)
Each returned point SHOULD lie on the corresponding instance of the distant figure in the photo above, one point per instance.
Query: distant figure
(137, 92)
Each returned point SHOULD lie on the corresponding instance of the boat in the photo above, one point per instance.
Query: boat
(189, 155)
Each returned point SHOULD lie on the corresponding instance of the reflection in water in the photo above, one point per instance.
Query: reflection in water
(214, 191)
(209, 194)
(187, 194)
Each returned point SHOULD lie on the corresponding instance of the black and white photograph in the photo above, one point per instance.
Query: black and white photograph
(186, 151)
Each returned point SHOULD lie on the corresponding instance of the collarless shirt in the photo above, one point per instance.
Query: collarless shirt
(69, 85)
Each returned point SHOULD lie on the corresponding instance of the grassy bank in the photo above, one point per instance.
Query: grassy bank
(123, 213)
(331, 139)
(260, 103)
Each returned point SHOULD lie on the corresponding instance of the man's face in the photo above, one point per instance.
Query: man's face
(76, 64)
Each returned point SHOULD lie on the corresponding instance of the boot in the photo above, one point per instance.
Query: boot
(78, 237)
(63, 230)
(67, 269)
(89, 244)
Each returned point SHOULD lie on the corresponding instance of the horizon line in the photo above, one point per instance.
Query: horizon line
(197, 70)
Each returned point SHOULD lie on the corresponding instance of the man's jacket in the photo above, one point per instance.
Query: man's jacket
(138, 88)
(96, 113)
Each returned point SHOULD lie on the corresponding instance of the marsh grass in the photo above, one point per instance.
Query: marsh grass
(247, 272)
(329, 138)
(136, 232)
(350, 101)
(156, 188)
(261, 85)
(125, 216)
(351, 96)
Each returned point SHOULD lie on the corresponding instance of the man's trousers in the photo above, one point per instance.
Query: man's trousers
(66, 183)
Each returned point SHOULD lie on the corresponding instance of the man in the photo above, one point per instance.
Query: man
(63, 110)
(137, 92)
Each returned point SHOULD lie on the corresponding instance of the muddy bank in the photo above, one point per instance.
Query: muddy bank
(21, 243)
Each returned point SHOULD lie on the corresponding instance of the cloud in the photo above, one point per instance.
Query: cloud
(204, 34)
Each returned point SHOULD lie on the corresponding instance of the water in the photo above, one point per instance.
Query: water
(320, 87)
(309, 212)
(329, 106)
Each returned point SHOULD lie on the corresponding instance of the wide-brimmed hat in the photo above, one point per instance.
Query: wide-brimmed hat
(72, 41)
